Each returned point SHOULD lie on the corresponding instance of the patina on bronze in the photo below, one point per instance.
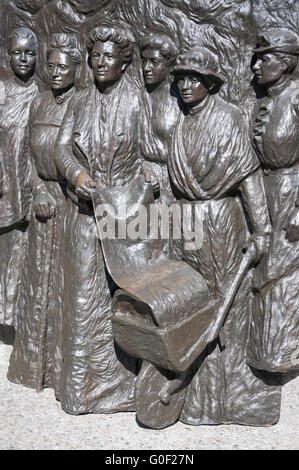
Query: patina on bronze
(158, 53)
(17, 93)
(97, 144)
(36, 359)
(274, 333)
(151, 103)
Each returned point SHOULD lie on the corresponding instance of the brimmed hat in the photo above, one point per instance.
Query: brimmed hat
(277, 40)
(201, 61)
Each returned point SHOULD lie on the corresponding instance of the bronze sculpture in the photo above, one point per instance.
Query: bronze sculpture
(36, 361)
(275, 325)
(17, 94)
(157, 53)
(200, 171)
(97, 145)
(137, 323)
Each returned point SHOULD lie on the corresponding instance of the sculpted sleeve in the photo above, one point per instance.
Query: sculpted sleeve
(255, 202)
(36, 184)
(65, 159)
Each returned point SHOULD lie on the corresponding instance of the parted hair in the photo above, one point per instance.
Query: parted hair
(114, 34)
(66, 43)
(161, 43)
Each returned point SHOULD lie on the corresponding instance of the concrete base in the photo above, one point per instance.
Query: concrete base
(35, 421)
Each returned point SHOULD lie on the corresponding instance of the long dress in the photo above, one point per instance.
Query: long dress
(36, 357)
(159, 116)
(160, 113)
(15, 101)
(273, 343)
(99, 136)
(211, 159)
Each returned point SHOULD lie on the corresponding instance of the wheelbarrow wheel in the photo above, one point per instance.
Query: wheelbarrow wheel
(153, 409)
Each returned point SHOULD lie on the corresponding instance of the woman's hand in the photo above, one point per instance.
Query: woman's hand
(83, 185)
(44, 205)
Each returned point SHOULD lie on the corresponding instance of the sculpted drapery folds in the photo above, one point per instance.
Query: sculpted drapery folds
(212, 163)
(273, 344)
(97, 144)
(36, 357)
(17, 94)
(130, 117)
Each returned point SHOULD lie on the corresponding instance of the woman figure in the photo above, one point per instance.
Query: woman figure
(36, 357)
(212, 164)
(97, 141)
(273, 344)
(160, 110)
(16, 95)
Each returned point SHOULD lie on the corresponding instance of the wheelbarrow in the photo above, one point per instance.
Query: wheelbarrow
(162, 313)
(168, 350)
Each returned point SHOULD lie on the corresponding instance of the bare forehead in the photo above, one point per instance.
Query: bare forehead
(152, 53)
(105, 47)
(57, 57)
(22, 43)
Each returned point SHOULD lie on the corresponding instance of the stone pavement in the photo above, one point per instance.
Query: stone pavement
(34, 421)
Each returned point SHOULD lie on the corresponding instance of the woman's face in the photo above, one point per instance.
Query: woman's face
(268, 68)
(191, 88)
(107, 62)
(22, 57)
(62, 72)
(154, 66)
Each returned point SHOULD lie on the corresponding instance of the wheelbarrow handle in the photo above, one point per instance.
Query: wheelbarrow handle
(231, 293)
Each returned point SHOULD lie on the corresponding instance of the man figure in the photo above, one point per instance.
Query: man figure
(97, 141)
(16, 96)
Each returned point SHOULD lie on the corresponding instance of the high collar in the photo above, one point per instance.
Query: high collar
(60, 99)
(200, 106)
(276, 90)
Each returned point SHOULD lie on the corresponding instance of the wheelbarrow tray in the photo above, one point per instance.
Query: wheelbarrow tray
(173, 348)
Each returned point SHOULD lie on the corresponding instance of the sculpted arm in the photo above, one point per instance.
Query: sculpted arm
(65, 159)
(255, 203)
(43, 204)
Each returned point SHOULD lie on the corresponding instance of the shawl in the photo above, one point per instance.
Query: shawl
(211, 152)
